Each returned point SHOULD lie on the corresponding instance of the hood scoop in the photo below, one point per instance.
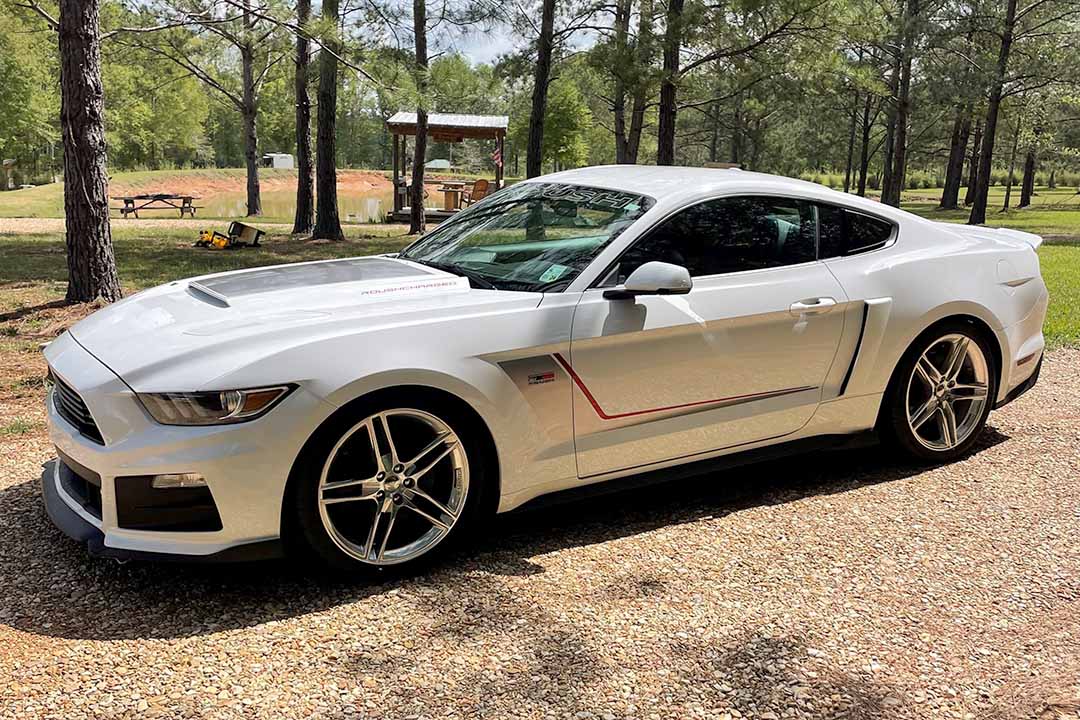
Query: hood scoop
(204, 293)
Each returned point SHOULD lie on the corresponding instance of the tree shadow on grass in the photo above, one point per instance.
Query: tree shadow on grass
(52, 587)
(32, 309)
(157, 259)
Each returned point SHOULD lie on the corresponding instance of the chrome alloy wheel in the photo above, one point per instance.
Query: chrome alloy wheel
(947, 392)
(393, 486)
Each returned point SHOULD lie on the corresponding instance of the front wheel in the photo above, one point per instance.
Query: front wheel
(393, 486)
(941, 394)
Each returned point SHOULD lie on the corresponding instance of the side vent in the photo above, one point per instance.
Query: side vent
(858, 347)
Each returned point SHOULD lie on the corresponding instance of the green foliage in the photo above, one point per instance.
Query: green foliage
(29, 103)
(771, 85)
(18, 426)
(567, 124)
(155, 113)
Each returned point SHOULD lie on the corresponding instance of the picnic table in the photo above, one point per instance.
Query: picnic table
(158, 201)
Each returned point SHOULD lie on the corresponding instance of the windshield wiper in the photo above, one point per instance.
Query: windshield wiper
(473, 276)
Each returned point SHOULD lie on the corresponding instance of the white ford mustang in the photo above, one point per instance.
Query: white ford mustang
(569, 330)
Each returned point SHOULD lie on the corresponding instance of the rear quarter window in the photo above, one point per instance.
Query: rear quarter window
(843, 232)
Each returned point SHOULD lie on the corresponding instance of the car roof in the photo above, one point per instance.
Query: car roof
(671, 183)
(661, 181)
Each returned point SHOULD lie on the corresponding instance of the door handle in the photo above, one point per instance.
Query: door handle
(812, 306)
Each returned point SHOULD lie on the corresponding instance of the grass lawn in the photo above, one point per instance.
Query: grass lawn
(149, 256)
(1061, 271)
(1054, 214)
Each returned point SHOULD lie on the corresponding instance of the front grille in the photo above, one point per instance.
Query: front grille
(72, 408)
(81, 484)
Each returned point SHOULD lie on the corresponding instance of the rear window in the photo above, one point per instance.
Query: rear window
(846, 232)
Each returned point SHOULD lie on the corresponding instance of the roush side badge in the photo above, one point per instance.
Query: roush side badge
(541, 378)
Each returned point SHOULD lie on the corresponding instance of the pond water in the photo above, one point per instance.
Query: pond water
(354, 207)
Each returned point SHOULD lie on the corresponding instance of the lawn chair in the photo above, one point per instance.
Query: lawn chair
(478, 191)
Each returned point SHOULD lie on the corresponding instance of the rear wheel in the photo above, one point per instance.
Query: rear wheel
(394, 486)
(941, 394)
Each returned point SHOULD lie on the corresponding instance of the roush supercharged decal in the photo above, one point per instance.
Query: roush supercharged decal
(458, 282)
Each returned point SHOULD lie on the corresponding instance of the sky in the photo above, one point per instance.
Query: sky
(487, 46)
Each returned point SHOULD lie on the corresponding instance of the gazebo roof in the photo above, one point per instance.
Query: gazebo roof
(451, 124)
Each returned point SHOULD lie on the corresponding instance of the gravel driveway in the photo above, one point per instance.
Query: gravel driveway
(837, 585)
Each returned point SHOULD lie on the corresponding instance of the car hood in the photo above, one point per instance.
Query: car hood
(183, 335)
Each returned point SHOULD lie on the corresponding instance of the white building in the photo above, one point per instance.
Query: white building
(281, 161)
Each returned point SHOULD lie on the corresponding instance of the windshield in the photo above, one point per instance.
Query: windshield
(529, 236)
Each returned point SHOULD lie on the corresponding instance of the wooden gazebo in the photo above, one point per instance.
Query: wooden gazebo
(442, 127)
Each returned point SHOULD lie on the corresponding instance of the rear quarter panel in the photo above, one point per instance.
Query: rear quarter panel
(932, 272)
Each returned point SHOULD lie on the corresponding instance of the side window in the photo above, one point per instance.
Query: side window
(727, 235)
(844, 232)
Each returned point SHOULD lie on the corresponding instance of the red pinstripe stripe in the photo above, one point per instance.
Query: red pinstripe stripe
(607, 416)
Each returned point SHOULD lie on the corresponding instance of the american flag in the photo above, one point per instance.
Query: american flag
(497, 157)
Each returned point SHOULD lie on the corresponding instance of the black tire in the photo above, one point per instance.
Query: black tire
(306, 527)
(894, 425)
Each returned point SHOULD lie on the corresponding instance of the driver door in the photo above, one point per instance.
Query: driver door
(739, 359)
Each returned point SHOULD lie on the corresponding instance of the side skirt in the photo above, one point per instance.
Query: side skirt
(701, 467)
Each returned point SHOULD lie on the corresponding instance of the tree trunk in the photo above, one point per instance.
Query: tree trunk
(903, 107)
(416, 200)
(1012, 165)
(305, 181)
(91, 262)
(982, 183)
(665, 135)
(643, 51)
(1051, 182)
(1027, 189)
(851, 143)
(714, 131)
(327, 221)
(954, 168)
(973, 164)
(864, 146)
(756, 145)
(736, 129)
(251, 137)
(622, 30)
(534, 153)
(250, 113)
(890, 126)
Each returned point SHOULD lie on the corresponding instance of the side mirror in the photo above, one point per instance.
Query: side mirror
(653, 278)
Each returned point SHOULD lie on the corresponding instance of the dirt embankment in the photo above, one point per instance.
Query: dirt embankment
(212, 183)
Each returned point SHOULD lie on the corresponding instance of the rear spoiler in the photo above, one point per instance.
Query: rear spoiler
(1030, 238)
(978, 231)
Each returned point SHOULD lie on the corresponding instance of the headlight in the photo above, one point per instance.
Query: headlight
(212, 408)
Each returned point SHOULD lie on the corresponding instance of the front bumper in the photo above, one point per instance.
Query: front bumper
(77, 527)
(246, 467)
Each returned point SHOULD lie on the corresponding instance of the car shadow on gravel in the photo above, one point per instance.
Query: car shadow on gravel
(50, 586)
(529, 532)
